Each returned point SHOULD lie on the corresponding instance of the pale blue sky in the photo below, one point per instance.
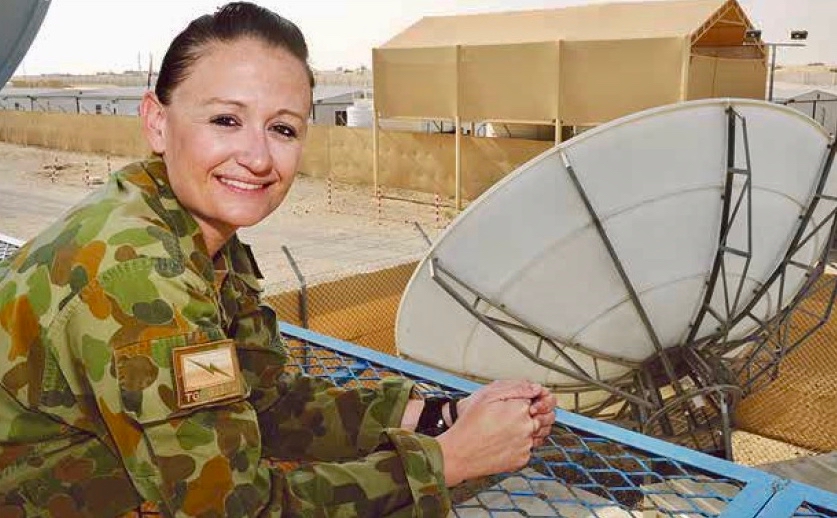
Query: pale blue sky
(85, 36)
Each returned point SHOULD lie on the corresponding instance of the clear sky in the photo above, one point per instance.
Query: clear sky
(86, 36)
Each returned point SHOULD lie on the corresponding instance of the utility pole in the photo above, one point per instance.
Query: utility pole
(794, 35)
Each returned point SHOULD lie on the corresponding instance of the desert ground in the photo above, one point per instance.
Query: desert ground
(351, 233)
(354, 232)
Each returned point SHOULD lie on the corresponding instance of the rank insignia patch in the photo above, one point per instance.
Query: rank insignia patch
(206, 373)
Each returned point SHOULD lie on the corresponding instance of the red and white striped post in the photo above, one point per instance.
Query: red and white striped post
(329, 193)
(437, 202)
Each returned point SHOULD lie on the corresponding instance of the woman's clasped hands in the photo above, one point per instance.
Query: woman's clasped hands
(497, 428)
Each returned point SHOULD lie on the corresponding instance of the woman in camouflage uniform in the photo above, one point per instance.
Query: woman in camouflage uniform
(140, 365)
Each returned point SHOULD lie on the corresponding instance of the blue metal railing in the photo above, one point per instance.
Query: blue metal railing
(587, 467)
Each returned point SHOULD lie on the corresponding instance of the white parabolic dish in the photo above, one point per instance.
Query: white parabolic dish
(655, 180)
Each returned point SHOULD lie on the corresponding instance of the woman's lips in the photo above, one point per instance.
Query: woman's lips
(241, 185)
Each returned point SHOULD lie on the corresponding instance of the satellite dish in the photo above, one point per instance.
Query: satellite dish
(18, 26)
(640, 270)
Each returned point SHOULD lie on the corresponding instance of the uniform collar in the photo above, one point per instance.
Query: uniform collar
(183, 225)
(234, 256)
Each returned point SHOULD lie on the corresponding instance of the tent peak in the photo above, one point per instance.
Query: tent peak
(605, 21)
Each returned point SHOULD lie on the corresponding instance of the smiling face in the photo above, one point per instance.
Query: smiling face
(231, 135)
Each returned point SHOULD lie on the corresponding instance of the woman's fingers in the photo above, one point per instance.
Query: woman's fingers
(543, 412)
(544, 402)
(512, 389)
(506, 434)
(502, 390)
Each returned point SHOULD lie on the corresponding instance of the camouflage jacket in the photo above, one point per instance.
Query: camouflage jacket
(137, 369)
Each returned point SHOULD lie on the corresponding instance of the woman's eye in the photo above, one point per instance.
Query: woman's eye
(224, 120)
(284, 130)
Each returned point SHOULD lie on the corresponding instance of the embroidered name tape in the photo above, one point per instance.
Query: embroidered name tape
(206, 373)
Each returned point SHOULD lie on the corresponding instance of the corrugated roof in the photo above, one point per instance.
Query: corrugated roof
(615, 21)
(783, 91)
(324, 92)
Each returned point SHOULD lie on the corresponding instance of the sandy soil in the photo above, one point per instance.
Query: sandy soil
(328, 236)
(352, 232)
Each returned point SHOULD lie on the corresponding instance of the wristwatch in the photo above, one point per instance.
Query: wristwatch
(431, 421)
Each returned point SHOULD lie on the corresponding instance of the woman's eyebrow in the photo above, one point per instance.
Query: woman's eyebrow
(242, 105)
(222, 100)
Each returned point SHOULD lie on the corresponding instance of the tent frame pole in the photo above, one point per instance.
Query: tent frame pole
(458, 186)
(376, 151)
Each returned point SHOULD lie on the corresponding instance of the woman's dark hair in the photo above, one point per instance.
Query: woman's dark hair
(231, 22)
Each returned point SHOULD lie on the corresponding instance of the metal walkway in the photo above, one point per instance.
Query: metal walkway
(8, 246)
(586, 468)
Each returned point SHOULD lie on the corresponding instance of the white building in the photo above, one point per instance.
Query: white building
(817, 102)
(100, 101)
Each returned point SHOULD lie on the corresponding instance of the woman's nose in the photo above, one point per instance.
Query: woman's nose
(255, 154)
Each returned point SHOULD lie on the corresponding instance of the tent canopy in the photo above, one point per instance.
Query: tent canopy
(574, 66)
(617, 21)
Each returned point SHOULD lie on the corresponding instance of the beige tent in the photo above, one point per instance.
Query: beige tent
(577, 66)
(580, 65)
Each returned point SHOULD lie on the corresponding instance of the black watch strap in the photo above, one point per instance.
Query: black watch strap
(454, 413)
(430, 421)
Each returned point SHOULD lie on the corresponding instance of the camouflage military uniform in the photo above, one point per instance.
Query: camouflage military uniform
(112, 317)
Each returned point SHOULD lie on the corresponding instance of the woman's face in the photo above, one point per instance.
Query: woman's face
(231, 136)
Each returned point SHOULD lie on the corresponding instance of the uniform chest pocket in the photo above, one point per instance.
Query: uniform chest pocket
(169, 377)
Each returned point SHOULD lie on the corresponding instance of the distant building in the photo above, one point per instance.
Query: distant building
(331, 102)
(814, 75)
(105, 101)
(817, 102)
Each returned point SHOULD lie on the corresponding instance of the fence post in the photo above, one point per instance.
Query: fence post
(437, 202)
(329, 193)
(303, 288)
(423, 233)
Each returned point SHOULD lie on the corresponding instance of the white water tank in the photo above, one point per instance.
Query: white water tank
(360, 114)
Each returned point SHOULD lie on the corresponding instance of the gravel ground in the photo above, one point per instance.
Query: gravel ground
(329, 236)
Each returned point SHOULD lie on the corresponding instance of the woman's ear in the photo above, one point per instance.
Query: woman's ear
(153, 116)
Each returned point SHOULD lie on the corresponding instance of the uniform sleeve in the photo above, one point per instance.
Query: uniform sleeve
(315, 420)
(302, 417)
(194, 446)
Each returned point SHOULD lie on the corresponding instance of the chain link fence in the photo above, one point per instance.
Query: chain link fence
(358, 305)
(799, 405)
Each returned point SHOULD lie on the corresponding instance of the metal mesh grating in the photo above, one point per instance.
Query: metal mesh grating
(7, 249)
(574, 474)
(585, 470)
